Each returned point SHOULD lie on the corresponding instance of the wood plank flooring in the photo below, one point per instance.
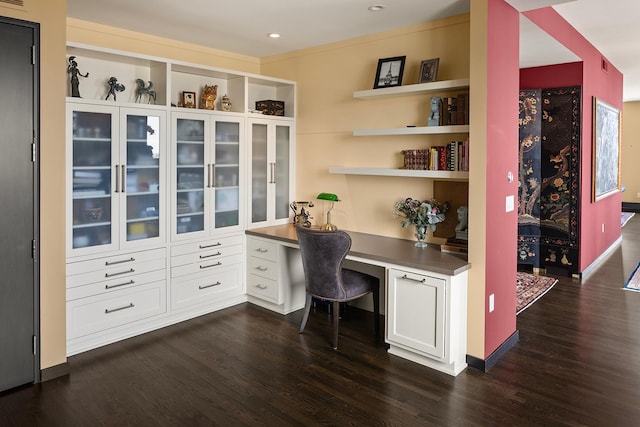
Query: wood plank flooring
(577, 364)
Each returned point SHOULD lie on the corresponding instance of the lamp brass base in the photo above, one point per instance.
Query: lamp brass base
(328, 227)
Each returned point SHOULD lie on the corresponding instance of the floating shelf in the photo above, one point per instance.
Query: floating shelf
(444, 175)
(416, 89)
(418, 130)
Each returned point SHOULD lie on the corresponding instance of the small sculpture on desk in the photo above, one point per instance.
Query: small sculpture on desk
(143, 89)
(462, 227)
(434, 115)
(304, 216)
(114, 87)
(72, 69)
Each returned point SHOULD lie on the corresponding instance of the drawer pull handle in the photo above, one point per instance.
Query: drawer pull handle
(405, 277)
(131, 270)
(262, 287)
(113, 310)
(260, 268)
(262, 250)
(130, 282)
(209, 286)
(122, 261)
(212, 255)
(212, 265)
(210, 246)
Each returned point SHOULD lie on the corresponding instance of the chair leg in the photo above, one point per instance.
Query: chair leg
(305, 317)
(336, 319)
(376, 310)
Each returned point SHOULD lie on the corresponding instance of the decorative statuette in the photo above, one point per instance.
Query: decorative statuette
(143, 89)
(72, 69)
(226, 103)
(208, 97)
(114, 87)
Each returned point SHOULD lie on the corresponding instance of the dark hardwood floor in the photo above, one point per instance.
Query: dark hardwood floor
(577, 364)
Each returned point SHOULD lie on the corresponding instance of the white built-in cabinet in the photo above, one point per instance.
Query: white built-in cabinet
(159, 196)
(116, 159)
(208, 174)
(271, 173)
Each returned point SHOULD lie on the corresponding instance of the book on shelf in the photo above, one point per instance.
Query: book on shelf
(454, 245)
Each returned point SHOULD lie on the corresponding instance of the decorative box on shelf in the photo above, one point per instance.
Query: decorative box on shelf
(416, 159)
(270, 107)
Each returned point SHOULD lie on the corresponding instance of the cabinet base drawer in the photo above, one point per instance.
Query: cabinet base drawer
(98, 313)
(262, 267)
(204, 287)
(265, 289)
(211, 265)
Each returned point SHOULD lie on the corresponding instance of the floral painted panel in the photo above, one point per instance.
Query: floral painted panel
(550, 188)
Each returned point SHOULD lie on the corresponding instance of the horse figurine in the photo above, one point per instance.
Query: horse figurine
(145, 90)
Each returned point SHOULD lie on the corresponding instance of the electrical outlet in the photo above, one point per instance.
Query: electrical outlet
(638, 195)
(603, 228)
(491, 303)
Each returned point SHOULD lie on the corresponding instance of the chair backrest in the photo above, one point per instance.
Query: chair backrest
(323, 253)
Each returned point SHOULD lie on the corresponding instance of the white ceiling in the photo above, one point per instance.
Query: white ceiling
(241, 26)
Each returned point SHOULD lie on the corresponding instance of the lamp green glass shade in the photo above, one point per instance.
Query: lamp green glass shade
(328, 196)
(331, 198)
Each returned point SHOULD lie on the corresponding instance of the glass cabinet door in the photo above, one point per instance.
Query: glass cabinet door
(141, 175)
(226, 174)
(92, 157)
(259, 172)
(282, 171)
(190, 175)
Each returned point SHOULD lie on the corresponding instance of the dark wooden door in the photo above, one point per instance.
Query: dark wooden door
(18, 203)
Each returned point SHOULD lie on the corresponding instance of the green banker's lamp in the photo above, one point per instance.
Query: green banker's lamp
(332, 198)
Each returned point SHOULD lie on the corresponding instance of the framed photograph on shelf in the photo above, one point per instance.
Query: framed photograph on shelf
(189, 99)
(606, 150)
(429, 70)
(389, 72)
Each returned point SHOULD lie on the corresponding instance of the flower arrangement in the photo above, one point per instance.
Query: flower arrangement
(420, 214)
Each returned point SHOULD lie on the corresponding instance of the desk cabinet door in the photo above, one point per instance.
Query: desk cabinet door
(416, 312)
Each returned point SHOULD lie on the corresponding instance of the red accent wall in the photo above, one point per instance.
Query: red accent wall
(561, 75)
(607, 86)
(503, 83)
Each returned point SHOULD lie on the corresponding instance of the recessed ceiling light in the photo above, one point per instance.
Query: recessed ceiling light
(375, 8)
(273, 35)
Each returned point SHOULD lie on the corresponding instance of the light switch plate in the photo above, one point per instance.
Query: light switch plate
(509, 204)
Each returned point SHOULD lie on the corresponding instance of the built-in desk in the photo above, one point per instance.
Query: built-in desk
(425, 290)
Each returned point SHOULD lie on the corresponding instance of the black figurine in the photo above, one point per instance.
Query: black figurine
(145, 90)
(75, 73)
(114, 87)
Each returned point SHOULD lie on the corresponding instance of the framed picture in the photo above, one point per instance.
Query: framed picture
(606, 150)
(389, 72)
(189, 99)
(429, 70)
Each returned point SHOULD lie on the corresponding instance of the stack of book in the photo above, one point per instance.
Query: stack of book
(454, 110)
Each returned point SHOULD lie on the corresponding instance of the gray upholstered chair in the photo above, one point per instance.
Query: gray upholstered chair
(323, 253)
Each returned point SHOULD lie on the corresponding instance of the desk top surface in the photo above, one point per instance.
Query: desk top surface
(384, 249)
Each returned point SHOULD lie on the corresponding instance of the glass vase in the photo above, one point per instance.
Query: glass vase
(421, 235)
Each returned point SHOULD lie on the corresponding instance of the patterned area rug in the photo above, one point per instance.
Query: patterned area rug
(633, 283)
(530, 288)
(626, 216)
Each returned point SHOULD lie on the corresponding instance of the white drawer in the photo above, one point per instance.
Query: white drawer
(202, 288)
(262, 288)
(262, 249)
(119, 271)
(101, 312)
(189, 248)
(114, 261)
(205, 255)
(209, 265)
(115, 284)
(262, 267)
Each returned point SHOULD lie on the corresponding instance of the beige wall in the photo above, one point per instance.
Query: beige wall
(327, 114)
(51, 15)
(630, 152)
